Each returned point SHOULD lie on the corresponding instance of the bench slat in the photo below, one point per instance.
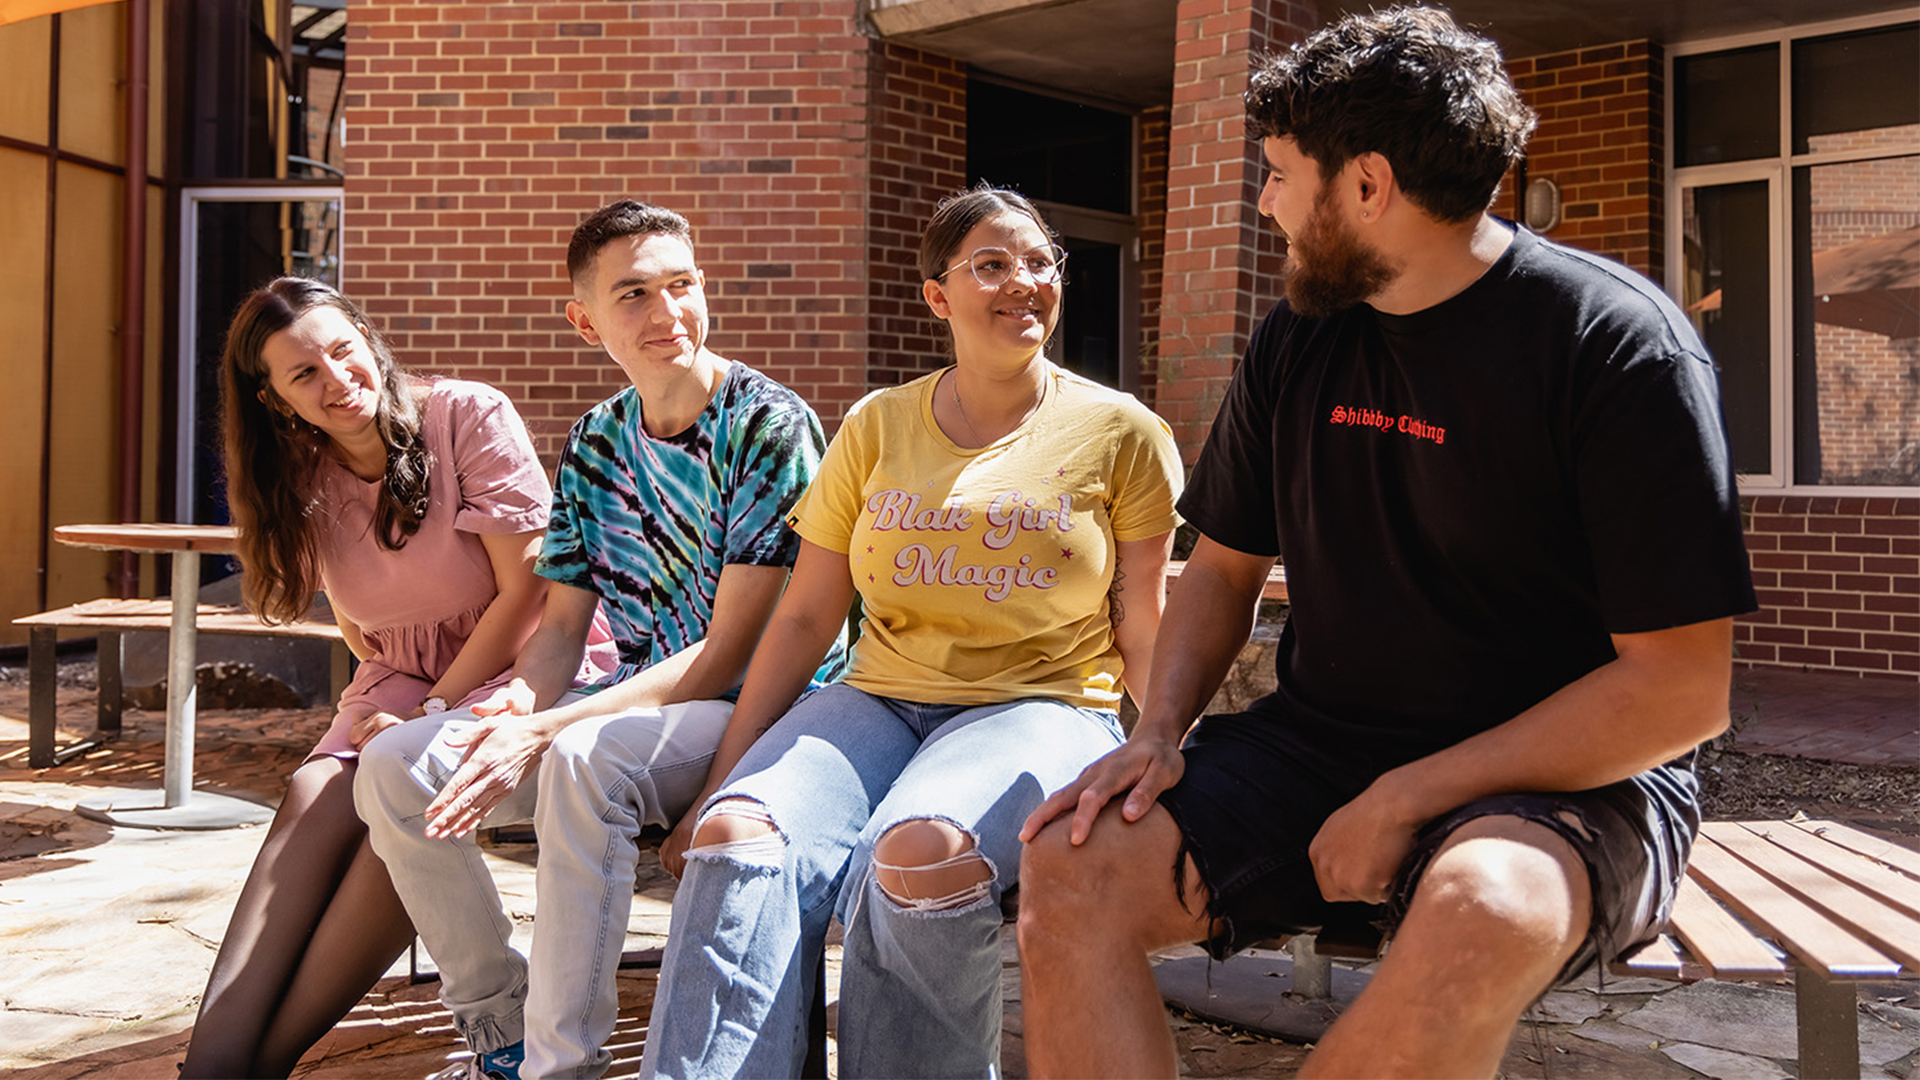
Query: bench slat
(1873, 847)
(1892, 932)
(129, 615)
(1895, 890)
(1716, 939)
(1810, 936)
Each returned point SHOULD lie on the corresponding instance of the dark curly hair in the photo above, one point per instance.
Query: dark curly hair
(271, 454)
(1409, 84)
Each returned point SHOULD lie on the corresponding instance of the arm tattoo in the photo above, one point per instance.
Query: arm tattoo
(1116, 610)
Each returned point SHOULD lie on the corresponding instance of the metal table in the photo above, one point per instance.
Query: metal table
(177, 805)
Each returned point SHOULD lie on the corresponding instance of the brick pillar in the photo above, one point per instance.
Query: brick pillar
(1153, 243)
(1602, 140)
(1222, 258)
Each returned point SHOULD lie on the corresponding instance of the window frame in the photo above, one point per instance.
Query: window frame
(1778, 171)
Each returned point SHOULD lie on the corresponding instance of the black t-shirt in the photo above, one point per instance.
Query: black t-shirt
(1471, 498)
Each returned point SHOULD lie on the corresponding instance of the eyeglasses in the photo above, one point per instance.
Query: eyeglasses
(994, 267)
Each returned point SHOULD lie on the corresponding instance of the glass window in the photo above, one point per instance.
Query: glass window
(1856, 355)
(1857, 92)
(1726, 292)
(1727, 106)
(1797, 251)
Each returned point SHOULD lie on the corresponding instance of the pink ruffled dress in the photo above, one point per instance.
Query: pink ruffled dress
(417, 606)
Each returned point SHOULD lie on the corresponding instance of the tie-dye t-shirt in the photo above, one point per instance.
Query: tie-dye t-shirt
(647, 524)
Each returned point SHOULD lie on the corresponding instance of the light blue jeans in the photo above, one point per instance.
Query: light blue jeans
(599, 783)
(919, 989)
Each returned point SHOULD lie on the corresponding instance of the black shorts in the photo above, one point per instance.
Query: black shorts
(1252, 799)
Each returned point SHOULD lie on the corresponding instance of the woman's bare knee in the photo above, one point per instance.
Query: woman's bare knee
(732, 821)
(930, 865)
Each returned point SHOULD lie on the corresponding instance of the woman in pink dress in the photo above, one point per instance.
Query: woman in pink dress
(418, 507)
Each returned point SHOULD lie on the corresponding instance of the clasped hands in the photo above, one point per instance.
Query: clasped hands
(504, 744)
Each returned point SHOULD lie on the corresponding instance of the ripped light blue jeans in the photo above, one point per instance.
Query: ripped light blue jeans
(919, 989)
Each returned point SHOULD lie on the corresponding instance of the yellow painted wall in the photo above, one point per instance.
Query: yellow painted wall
(86, 300)
(93, 58)
(23, 93)
(86, 355)
(22, 290)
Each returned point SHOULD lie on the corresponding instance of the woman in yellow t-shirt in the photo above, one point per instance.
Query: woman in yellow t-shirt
(1006, 526)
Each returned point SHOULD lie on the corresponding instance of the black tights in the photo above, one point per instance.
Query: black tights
(317, 923)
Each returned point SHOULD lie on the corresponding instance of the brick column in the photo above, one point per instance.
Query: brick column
(1602, 140)
(1153, 244)
(1222, 258)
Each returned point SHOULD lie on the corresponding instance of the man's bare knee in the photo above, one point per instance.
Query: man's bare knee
(732, 821)
(1507, 882)
(1119, 882)
(930, 865)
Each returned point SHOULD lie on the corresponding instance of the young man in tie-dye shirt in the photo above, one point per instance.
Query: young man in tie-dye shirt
(668, 518)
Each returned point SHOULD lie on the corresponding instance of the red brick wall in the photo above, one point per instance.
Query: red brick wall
(1839, 584)
(1222, 259)
(479, 134)
(1153, 241)
(919, 147)
(1602, 140)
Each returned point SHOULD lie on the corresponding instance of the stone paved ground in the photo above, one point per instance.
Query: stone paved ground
(107, 935)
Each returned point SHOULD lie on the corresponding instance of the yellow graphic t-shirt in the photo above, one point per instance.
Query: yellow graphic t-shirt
(984, 574)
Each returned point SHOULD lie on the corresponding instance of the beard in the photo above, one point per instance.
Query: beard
(1328, 268)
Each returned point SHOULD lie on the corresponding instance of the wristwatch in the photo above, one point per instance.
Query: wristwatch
(434, 704)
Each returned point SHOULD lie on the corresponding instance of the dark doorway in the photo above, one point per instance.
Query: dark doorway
(1076, 160)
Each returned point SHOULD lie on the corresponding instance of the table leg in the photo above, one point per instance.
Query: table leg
(177, 805)
(42, 669)
(111, 700)
(182, 642)
(1829, 1021)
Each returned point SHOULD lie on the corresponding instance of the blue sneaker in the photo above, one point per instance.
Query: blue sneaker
(501, 1064)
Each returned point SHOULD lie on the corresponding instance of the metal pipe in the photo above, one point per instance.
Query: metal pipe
(133, 290)
(45, 554)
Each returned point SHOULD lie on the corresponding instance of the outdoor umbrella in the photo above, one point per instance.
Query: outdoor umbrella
(1871, 285)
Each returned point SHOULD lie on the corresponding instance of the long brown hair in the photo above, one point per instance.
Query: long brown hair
(271, 454)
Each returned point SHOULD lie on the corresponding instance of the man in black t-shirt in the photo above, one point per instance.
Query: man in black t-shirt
(1497, 472)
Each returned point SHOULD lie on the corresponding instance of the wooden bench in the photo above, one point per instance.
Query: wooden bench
(1829, 904)
(109, 620)
(1824, 903)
